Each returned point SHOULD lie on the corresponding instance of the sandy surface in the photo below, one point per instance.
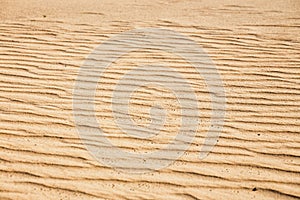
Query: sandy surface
(255, 46)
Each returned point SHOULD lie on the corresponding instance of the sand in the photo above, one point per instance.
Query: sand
(255, 46)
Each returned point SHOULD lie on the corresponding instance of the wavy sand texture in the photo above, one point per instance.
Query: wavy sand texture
(255, 46)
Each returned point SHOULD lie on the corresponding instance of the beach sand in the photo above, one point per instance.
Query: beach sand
(255, 46)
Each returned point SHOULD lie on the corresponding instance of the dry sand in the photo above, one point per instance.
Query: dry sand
(255, 46)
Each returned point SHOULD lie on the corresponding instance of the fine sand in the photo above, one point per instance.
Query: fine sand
(255, 46)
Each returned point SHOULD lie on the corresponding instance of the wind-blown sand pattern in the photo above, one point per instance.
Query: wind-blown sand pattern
(255, 45)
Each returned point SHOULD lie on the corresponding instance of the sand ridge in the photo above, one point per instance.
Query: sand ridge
(255, 46)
